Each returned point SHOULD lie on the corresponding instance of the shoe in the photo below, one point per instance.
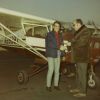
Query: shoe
(49, 89)
(80, 95)
(74, 91)
(57, 88)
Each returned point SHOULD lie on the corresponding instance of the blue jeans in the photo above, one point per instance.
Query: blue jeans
(53, 67)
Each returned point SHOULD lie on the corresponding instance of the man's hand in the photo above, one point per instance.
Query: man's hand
(62, 48)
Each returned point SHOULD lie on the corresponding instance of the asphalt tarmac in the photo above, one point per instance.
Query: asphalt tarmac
(35, 89)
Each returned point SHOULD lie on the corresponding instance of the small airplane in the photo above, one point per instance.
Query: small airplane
(24, 31)
(20, 30)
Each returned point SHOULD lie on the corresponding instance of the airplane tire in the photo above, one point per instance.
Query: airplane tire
(22, 77)
(92, 82)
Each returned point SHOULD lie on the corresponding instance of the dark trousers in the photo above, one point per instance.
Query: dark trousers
(81, 76)
(71, 68)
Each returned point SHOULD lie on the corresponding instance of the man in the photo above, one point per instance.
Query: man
(54, 43)
(80, 53)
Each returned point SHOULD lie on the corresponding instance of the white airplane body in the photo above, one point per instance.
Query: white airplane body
(20, 30)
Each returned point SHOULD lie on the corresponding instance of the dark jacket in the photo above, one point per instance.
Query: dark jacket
(81, 45)
(51, 44)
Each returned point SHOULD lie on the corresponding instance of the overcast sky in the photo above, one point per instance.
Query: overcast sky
(64, 10)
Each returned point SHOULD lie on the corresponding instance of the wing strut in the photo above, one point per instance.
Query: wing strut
(16, 41)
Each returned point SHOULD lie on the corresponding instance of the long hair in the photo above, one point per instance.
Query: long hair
(57, 22)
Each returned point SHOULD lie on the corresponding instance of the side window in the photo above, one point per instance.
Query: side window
(29, 32)
(36, 31)
(40, 31)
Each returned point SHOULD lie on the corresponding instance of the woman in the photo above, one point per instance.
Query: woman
(54, 43)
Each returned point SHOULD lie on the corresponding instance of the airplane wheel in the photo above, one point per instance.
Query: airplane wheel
(22, 77)
(92, 82)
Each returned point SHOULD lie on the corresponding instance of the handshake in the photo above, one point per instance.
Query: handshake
(65, 46)
(62, 48)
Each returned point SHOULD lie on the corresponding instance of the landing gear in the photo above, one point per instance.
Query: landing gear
(92, 80)
(24, 75)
